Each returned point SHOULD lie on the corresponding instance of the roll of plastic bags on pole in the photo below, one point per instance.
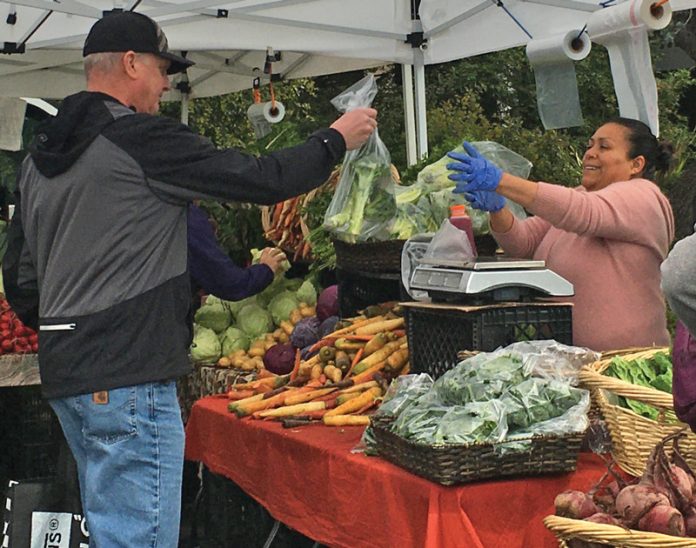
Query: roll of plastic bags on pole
(622, 29)
(553, 61)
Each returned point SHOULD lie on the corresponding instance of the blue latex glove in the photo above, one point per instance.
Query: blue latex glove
(472, 171)
(485, 200)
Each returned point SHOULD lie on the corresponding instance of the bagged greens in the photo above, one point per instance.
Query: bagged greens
(363, 205)
(501, 397)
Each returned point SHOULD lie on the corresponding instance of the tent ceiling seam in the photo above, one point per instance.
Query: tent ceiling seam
(459, 18)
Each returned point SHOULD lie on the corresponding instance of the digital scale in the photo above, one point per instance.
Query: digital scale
(488, 279)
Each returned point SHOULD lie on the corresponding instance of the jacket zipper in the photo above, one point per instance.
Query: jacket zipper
(58, 327)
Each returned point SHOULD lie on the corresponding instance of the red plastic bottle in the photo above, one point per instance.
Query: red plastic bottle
(460, 219)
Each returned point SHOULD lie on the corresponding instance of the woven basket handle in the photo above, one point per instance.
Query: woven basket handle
(590, 379)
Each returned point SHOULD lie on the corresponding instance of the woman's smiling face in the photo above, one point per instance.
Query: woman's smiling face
(606, 159)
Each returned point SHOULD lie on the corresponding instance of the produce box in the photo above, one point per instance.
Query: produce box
(452, 464)
(633, 436)
(437, 332)
(567, 530)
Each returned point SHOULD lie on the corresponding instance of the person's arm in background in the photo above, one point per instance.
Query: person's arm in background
(679, 282)
(215, 272)
(19, 273)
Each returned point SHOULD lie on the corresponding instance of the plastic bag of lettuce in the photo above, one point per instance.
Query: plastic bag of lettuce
(494, 397)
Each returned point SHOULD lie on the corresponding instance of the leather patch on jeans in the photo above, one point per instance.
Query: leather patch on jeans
(100, 398)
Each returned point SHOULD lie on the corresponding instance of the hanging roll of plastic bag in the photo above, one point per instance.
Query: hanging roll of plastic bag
(363, 205)
(622, 29)
(553, 60)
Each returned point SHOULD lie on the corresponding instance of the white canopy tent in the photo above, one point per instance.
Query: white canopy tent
(228, 39)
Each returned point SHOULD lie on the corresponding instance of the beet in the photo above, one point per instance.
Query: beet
(575, 505)
(606, 519)
(327, 303)
(663, 519)
(279, 359)
(690, 521)
(633, 501)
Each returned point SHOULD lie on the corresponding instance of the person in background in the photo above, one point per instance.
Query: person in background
(215, 273)
(97, 258)
(607, 237)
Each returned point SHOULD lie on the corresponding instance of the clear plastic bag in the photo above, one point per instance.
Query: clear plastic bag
(434, 178)
(451, 244)
(363, 205)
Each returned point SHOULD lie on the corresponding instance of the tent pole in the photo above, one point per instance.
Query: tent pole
(184, 108)
(421, 122)
(409, 113)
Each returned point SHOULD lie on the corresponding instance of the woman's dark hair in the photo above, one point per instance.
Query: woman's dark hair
(657, 154)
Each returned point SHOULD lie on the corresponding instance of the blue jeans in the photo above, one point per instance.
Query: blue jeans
(130, 455)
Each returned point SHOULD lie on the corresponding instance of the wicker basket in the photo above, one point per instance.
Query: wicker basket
(566, 529)
(452, 464)
(634, 436)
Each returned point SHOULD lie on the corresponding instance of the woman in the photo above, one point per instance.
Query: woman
(607, 237)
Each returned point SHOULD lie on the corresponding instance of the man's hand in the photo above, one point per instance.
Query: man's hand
(272, 257)
(472, 171)
(485, 200)
(356, 126)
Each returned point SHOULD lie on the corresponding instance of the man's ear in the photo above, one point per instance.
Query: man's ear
(637, 165)
(128, 62)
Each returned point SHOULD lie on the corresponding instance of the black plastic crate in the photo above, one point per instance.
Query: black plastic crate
(233, 518)
(435, 334)
(357, 290)
(30, 432)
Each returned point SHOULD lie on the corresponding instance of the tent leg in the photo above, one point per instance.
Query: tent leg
(409, 113)
(421, 122)
(184, 108)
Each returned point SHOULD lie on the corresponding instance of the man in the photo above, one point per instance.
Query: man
(99, 234)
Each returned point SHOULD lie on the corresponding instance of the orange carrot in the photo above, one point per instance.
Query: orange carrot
(239, 394)
(357, 337)
(364, 408)
(296, 367)
(355, 404)
(368, 374)
(265, 374)
(322, 343)
(356, 359)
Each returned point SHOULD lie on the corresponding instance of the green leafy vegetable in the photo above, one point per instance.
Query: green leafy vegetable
(205, 347)
(654, 372)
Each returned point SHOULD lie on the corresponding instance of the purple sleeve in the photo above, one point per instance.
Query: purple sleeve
(213, 270)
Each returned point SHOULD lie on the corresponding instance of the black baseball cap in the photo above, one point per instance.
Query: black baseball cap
(132, 31)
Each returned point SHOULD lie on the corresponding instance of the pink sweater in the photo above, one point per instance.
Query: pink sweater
(609, 244)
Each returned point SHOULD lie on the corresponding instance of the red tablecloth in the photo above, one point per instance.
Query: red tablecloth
(308, 479)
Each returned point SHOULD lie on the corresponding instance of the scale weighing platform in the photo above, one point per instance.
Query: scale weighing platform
(488, 279)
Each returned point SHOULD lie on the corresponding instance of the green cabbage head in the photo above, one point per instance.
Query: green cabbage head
(307, 293)
(254, 321)
(205, 347)
(281, 305)
(215, 316)
(234, 339)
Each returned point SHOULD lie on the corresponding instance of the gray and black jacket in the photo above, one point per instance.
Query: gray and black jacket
(97, 253)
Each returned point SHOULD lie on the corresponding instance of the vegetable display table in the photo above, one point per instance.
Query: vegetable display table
(309, 479)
